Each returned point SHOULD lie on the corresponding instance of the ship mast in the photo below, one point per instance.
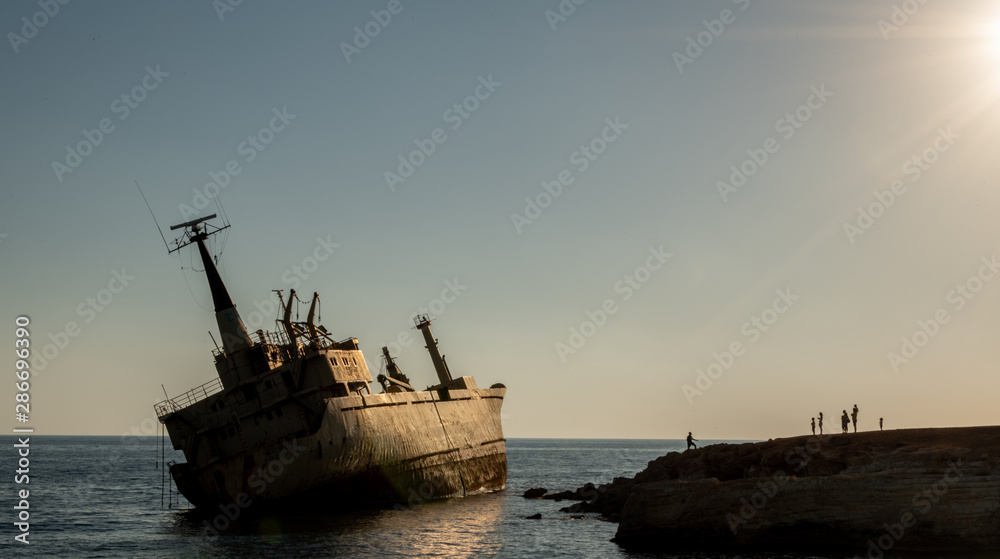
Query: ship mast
(423, 323)
(234, 333)
(311, 324)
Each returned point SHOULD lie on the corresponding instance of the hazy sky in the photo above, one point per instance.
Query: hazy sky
(713, 157)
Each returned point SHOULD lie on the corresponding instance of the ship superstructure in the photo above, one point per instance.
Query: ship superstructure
(291, 417)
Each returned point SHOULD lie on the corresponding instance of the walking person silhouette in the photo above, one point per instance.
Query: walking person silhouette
(814, 425)
(691, 440)
(844, 421)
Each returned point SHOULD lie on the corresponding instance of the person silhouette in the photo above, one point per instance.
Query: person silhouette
(854, 418)
(814, 425)
(690, 441)
(880, 424)
(820, 423)
(844, 421)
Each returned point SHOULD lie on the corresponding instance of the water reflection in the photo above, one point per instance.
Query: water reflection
(466, 527)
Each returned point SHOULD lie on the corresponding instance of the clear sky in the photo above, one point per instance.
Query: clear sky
(712, 154)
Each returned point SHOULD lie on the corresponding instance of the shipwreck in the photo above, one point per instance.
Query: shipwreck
(291, 417)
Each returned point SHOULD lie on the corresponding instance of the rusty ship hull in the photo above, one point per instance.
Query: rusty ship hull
(404, 447)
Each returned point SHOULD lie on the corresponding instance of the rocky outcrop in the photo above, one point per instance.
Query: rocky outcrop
(877, 491)
(535, 493)
(587, 492)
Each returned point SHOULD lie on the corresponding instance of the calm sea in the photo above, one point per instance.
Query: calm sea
(100, 497)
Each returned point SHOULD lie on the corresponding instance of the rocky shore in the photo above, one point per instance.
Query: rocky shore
(915, 489)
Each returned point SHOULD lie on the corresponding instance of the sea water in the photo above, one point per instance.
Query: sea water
(101, 497)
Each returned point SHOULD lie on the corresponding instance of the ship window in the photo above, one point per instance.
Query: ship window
(333, 361)
(278, 412)
(269, 416)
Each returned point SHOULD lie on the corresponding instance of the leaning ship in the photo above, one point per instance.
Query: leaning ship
(292, 419)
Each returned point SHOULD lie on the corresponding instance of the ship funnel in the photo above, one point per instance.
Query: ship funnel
(234, 333)
(423, 323)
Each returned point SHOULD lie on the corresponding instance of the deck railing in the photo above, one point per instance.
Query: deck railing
(192, 396)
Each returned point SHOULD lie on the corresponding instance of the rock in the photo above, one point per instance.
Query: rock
(536, 516)
(534, 493)
(933, 489)
(586, 493)
(561, 496)
(575, 507)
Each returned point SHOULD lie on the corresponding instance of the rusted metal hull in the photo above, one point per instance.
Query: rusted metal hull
(404, 447)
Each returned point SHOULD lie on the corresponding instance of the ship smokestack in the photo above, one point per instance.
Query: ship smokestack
(234, 333)
(423, 323)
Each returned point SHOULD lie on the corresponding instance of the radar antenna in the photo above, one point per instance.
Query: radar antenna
(234, 333)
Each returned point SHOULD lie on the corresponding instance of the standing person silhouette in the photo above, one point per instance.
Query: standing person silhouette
(820, 423)
(854, 418)
(880, 424)
(814, 425)
(691, 440)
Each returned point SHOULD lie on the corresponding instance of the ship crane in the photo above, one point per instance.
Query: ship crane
(396, 381)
